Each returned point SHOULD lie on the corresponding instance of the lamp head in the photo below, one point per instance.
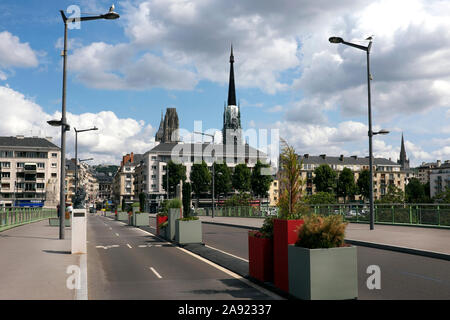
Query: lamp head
(335, 40)
(111, 14)
(54, 123)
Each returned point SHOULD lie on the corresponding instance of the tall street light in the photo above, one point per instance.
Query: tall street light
(63, 122)
(213, 171)
(370, 133)
(76, 153)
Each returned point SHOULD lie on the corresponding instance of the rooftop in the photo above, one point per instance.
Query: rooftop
(27, 142)
(341, 160)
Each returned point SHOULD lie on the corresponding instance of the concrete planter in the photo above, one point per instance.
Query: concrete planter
(260, 258)
(323, 274)
(141, 219)
(122, 216)
(188, 231)
(130, 219)
(135, 209)
(174, 214)
(54, 222)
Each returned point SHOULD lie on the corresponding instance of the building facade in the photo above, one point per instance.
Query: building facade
(29, 172)
(123, 181)
(385, 171)
(86, 179)
(439, 178)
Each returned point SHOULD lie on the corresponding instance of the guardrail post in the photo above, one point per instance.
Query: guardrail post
(439, 216)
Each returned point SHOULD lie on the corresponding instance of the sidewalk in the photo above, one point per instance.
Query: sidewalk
(33, 263)
(415, 238)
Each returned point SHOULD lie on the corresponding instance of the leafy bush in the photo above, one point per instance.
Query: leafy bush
(174, 203)
(321, 232)
(188, 218)
(238, 200)
(163, 224)
(266, 231)
(135, 204)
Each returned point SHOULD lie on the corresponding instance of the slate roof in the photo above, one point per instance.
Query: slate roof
(345, 160)
(220, 149)
(27, 142)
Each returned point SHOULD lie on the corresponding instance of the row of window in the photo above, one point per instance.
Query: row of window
(39, 165)
(26, 154)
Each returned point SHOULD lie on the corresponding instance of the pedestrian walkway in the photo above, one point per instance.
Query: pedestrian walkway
(33, 263)
(424, 239)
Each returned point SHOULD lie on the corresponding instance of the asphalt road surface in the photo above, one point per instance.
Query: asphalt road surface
(128, 263)
(403, 276)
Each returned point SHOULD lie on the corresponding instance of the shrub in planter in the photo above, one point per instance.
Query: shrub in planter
(174, 208)
(260, 251)
(321, 265)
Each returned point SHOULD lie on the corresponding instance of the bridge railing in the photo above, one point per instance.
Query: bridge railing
(15, 216)
(437, 215)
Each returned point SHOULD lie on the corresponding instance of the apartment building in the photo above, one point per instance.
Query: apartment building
(274, 192)
(123, 181)
(29, 172)
(385, 171)
(424, 170)
(439, 178)
(86, 179)
(152, 168)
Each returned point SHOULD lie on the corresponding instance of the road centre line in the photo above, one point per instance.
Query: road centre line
(129, 246)
(155, 272)
(230, 273)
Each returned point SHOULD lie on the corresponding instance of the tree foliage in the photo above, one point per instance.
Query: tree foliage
(291, 185)
(443, 197)
(393, 195)
(346, 186)
(222, 178)
(260, 182)
(415, 192)
(187, 190)
(177, 172)
(241, 180)
(363, 183)
(321, 198)
(324, 178)
(200, 178)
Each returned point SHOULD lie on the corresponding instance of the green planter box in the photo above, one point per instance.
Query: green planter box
(141, 219)
(174, 214)
(54, 222)
(188, 231)
(122, 216)
(323, 274)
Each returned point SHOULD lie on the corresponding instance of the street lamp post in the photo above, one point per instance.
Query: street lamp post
(370, 132)
(213, 171)
(63, 122)
(76, 153)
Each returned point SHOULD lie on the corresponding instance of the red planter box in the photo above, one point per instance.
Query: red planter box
(284, 234)
(159, 220)
(260, 256)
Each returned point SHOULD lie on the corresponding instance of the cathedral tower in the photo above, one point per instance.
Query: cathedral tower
(232, 131)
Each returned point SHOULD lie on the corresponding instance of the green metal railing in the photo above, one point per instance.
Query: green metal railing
(437, 215)
(13, 216)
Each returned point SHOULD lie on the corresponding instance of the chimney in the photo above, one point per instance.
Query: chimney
(132, 158)
(341, 157)
(439, 163)
(323, 156)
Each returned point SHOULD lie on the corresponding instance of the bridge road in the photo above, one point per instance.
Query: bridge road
(128, 263)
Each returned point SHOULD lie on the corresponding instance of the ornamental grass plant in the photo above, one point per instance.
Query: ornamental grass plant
(321, 232)
(266, 231)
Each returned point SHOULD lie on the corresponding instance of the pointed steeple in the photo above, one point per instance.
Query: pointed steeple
(231, 88)
(403, 162)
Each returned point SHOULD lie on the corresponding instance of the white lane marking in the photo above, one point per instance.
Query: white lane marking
(230, 273)
(129, 246)
(155, 272)
(108, 247)
(82, 293)
(226, 253)
(117, 234)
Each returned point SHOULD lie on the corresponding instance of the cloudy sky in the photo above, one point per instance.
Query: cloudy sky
(174, 53)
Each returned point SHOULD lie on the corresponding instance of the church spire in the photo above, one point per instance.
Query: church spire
(403, 162)
(231, 88)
